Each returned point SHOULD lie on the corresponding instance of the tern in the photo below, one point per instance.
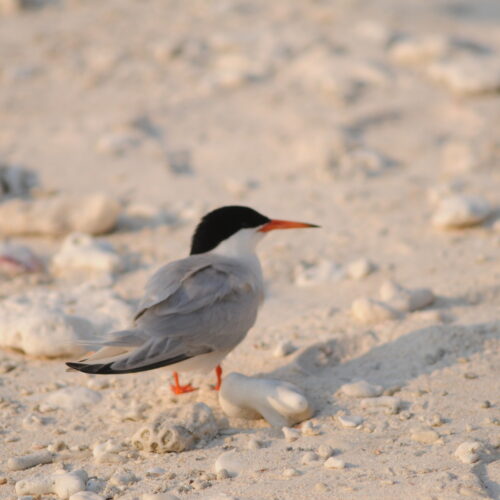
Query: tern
(197, 309)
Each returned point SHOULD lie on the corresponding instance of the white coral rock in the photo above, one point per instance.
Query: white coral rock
(360, 268)
(458, 211)
(63, 484)
(177, 429)
(403, 299)
(53, 324)
(81, 252)
(280, 403)
(468, 452)
(369, 311)
(361, 389)
(93, 214)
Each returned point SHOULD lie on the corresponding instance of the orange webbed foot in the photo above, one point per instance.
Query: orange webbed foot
(177, 388)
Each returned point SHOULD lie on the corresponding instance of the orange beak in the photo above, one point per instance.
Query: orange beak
(283, 224)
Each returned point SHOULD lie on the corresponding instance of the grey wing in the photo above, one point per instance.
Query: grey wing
(210, 309)
(168, 279)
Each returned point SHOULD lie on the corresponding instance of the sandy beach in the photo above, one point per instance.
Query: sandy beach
(123, 122)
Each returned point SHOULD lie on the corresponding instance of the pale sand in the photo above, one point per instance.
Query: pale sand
(302, 110)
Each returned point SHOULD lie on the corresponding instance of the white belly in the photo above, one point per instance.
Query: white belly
(202, 363)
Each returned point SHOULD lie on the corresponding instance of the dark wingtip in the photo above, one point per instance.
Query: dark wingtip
(105, 368)
(82, 367)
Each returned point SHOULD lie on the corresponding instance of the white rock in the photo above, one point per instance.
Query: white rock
(86, 495)
(359, 269)
(468, 74)
(283, 349)
(123, 478)
(459, 211)
(334, 463)
(68, 483)
(290, 434)
(361, 389)
(177, 429)
(310, 429)
(291, 472)
(230, 462)
(63, 484)
(93, 214)
(52, 324)
(325, 451)
(309, 457)
(425, 436)
(18, 259)
(80, 252)
(468, 452)
(31, 460)
(16, 181)
(307, 274)
(392, 403)
(73, 398)
(403, 299)
(420, 49)
(368, 311)
(107, 452)
(280, 403)
(350, 421)
(155, 472)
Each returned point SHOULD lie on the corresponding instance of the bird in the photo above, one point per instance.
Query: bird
(197, 309)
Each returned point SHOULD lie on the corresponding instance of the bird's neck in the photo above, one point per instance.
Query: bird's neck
(242, 247)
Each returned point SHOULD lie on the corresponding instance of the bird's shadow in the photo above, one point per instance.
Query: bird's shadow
(321, 369)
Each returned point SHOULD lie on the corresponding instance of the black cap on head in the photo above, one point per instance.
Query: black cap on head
(222, 223)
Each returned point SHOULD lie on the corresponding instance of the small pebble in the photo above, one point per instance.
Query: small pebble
(254, 444)
(325, 451)
(361, 389)
(468, 452)
(392, 403)
(350, 421)
(334, 463)
(123, 478)
(309, 429)
(368, 311)
(321, 487)
(309, 457)
(435, 420)
(425, 436)
(456, 212)
(284, 349)
(230, 462)
(155, 472)
(290, 434)
(28, 461)
(291, 472)
(359, 269)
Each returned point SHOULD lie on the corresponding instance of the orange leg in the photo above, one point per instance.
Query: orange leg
(218, 372)
(177, 388)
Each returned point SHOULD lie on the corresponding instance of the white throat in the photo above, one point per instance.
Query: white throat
(240, 245)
